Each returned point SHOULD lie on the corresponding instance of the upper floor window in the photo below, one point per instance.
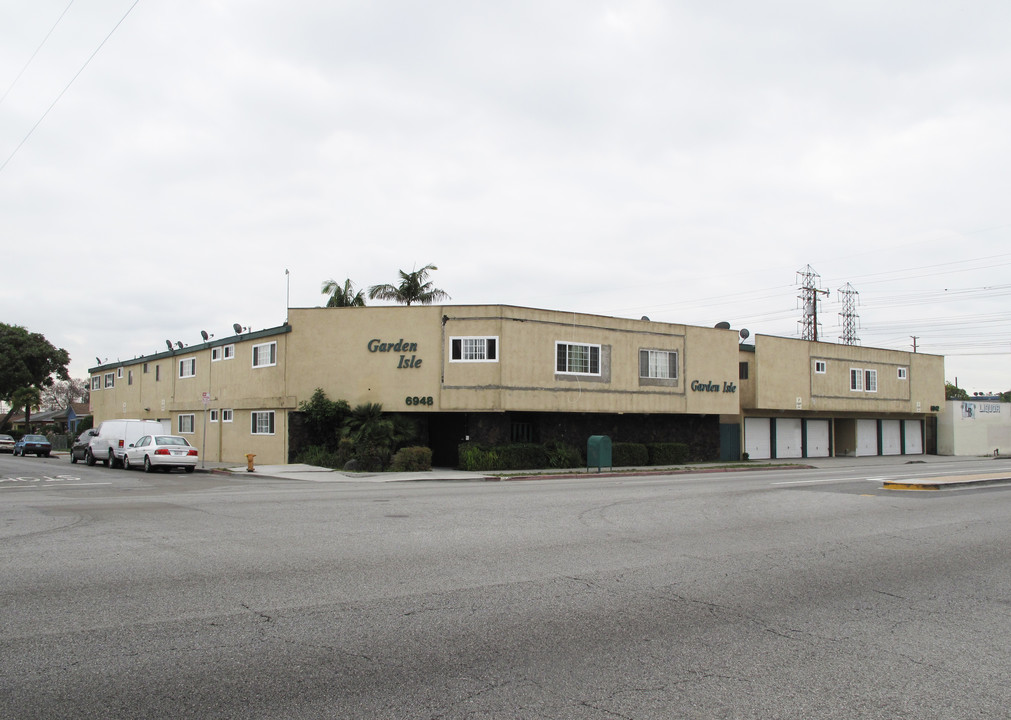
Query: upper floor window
(742, 371)
(96, 382)
(820, 366)
(265, 354)
(119, 373)
(473, 349)
(213, 416)
(110, 380)
(863, 380)
(187, 367)
(228, 352)
(215, 354)
(129, 377)
(661, 364)
(902, 373)
(577, 358)
(226, 415)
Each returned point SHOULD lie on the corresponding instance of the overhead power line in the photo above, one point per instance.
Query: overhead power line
(22, 72)
(64, 90)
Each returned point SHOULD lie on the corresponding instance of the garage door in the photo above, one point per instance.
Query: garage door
(891, 437)
(757, 438)
(914, 437)
(817, 438)
(789, 438)
(867, 437)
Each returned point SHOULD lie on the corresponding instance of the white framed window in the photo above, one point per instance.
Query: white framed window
(226, 415)
(119, 373)
(262, 422)
(129, 377)
(188, 367)
(870, 381)
(110, 380)
(856, 379)
(228, 352)
(265, 354)
(820, 366)
(577, 358)
(662, 364)
(473, 349)
(96, 382)
(215, 354)
(186, 424)
(903, 373)
(213, 416)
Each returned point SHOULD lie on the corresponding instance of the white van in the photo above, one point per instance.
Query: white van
(114, 436)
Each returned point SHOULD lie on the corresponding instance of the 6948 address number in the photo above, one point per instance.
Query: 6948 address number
(415, 400)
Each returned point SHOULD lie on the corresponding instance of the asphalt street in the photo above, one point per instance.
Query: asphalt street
(786, 593)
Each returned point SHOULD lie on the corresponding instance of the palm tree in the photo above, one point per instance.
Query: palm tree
(342, 295)
(413, 288)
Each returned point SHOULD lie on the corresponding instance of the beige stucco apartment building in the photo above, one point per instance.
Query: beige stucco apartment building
(498, 374)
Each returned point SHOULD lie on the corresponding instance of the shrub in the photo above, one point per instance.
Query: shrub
(629, 454)
(319, 456)
(412, 459)
(474, 457)
(521, 456)
(562, 455)
(667, 453)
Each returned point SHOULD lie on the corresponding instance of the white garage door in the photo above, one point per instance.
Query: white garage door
(789, 439)
(891, 437)
(867, 437)
(757, 440)
(817, 438)
(914, 437)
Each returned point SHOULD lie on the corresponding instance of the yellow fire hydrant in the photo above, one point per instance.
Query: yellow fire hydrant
(249, 462)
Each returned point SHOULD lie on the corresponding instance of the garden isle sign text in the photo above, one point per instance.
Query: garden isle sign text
(400, 347)
(699, 386)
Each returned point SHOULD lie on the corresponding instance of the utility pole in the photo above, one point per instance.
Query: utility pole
(849, 315)
(809, 292)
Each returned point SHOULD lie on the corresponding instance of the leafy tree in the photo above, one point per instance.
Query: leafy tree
(324, 418)
(27, 399)
(372, 435)
(953, 392)
(414, 287)
(63, 392)
(342, 295)
(28, 361)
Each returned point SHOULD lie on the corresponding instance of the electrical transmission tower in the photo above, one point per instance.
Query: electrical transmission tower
(809, 292)
(850, 319)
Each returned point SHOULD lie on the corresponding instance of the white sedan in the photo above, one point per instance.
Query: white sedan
(161, 451)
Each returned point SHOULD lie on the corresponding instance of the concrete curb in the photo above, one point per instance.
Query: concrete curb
(953, 482)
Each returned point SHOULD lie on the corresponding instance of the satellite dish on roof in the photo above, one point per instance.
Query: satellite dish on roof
(237, 328)
(745, 333)
(169, 343)
(646, 318)
(179, 344)
(723, 325)
(204, 335)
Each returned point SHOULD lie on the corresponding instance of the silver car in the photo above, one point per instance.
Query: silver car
(161, 451)
(6, 443)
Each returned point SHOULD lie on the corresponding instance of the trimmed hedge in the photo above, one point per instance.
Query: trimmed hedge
(629, 455)
(412, 459)
(667, 453)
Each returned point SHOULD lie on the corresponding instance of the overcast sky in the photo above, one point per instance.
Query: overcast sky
(681, 160)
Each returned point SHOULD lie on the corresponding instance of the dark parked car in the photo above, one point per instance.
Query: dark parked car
(33, 445)
(79, 451)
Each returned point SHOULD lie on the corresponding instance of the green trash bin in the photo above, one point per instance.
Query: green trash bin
(598, 452)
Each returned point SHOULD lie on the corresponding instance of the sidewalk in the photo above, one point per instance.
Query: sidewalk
(309, 473)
